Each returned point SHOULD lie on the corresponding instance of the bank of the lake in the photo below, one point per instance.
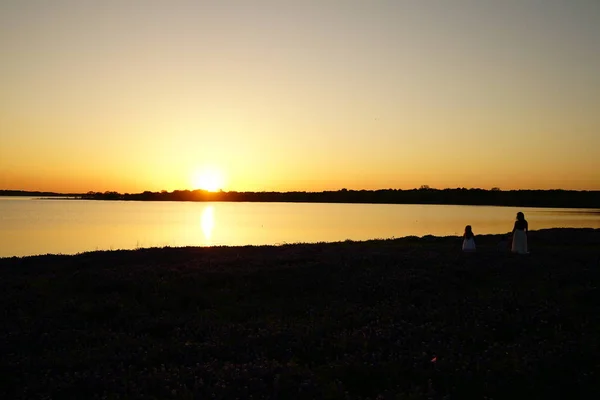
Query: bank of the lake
(397, 319)
(553, 198)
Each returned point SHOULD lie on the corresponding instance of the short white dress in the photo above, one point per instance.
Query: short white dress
(468, 244)
(519, 242)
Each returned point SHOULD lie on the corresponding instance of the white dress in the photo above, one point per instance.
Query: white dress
(468, 244)
(519, 242)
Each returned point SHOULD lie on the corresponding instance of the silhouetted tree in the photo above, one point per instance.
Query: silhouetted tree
(423, 195)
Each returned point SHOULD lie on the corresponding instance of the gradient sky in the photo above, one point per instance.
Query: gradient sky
(299, 95)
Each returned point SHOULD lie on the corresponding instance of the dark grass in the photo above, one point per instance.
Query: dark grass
(343, 320)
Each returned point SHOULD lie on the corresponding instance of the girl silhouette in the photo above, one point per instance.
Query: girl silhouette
(468, 239)
(519, 235)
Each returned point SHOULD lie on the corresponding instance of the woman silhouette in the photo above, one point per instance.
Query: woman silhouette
(519, 235)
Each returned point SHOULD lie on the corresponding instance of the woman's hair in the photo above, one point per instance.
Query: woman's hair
(520, 216)
(468, 231)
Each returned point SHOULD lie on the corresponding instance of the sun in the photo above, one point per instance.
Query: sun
(208, 179)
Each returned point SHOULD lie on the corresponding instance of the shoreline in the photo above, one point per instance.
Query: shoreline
(531, 198)
(379, 319)
(485, 239)
(558, 207)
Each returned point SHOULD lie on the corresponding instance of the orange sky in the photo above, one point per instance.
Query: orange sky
(307, 95)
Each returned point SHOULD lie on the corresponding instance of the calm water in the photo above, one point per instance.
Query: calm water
(35, 226)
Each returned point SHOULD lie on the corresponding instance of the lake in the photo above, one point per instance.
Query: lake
(30, 226)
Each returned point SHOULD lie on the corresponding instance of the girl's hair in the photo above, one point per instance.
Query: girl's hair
(520, 216)
(468, 232)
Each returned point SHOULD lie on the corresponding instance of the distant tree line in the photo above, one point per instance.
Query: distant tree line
(423, 195)
(36, 193)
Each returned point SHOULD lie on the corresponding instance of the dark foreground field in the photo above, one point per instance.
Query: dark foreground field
(387, 319)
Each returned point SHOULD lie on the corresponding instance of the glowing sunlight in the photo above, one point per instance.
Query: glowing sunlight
(207, 221)
(208, 179)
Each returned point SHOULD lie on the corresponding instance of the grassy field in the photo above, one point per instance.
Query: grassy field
(409, 318)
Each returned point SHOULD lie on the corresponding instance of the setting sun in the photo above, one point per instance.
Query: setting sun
(209, 179)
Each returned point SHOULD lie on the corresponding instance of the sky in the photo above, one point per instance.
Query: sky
(312, 95)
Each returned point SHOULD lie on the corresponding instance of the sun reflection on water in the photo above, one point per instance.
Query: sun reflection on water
(207, 221)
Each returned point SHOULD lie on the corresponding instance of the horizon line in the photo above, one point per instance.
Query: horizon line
(220, 191)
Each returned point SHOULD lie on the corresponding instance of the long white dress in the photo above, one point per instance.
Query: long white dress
(519, 242)
(468, 244)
